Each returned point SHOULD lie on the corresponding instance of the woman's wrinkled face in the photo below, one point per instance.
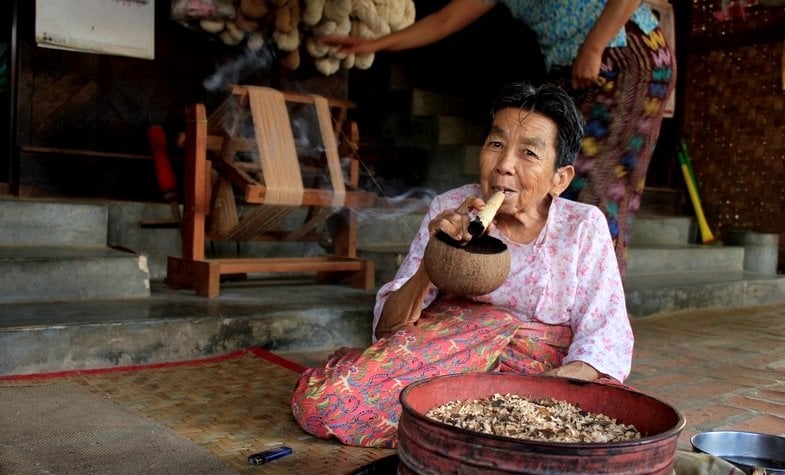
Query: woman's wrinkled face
(518, 157)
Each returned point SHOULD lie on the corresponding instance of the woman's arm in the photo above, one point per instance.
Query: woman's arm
(576, 370)
(602, 335)
(404, 305)
(586, 67)
(451, 18)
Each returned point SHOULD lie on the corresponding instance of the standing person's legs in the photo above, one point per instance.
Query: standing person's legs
(623, 117)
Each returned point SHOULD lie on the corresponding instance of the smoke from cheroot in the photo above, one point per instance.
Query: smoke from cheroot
(250, 61)
(395, 201)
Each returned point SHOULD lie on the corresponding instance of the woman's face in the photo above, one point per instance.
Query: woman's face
(518, 157)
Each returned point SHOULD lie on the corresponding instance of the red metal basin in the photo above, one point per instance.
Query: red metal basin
(427, 446)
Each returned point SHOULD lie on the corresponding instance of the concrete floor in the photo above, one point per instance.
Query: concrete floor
(723, 369)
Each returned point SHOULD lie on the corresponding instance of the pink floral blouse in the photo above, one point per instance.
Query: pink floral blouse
(567, 276)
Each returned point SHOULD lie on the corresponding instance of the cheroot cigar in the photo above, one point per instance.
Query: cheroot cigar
(480, 223)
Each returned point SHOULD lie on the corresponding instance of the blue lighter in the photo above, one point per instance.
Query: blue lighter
(269, 455)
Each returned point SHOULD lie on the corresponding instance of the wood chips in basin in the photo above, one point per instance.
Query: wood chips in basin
(546, 420)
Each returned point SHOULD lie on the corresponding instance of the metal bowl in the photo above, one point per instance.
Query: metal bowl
(746, 450)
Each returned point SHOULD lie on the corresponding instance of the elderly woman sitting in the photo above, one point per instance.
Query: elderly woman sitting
(561, 310)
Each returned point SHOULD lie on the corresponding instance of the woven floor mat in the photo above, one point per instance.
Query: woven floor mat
(59, 427)
(233, 407)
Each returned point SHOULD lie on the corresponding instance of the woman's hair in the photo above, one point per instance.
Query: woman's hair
(552, 102)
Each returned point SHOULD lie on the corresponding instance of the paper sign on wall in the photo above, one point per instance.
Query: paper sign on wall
(119, 27)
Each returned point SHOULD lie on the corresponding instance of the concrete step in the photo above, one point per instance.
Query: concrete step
(419, 118)
(414, 102)
(660, 244)
(453, 165)
(685, 258)
(147, 229)
(384, 235)
(280, 315)
(397, 224)
(428, 131)
(32, 222)
(675, 267)
(62, 273)
(57, 250)
(651, 293)
(705, 285)
(662, 230)
(663, 201)
(386, 259)
(394, 227)
(425, 103)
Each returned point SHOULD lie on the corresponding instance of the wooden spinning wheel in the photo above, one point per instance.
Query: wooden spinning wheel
(247, 148)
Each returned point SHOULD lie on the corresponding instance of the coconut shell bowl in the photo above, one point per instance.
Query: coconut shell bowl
(466, 269)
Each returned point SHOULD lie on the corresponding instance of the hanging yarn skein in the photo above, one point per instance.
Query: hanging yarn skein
(294, 26)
